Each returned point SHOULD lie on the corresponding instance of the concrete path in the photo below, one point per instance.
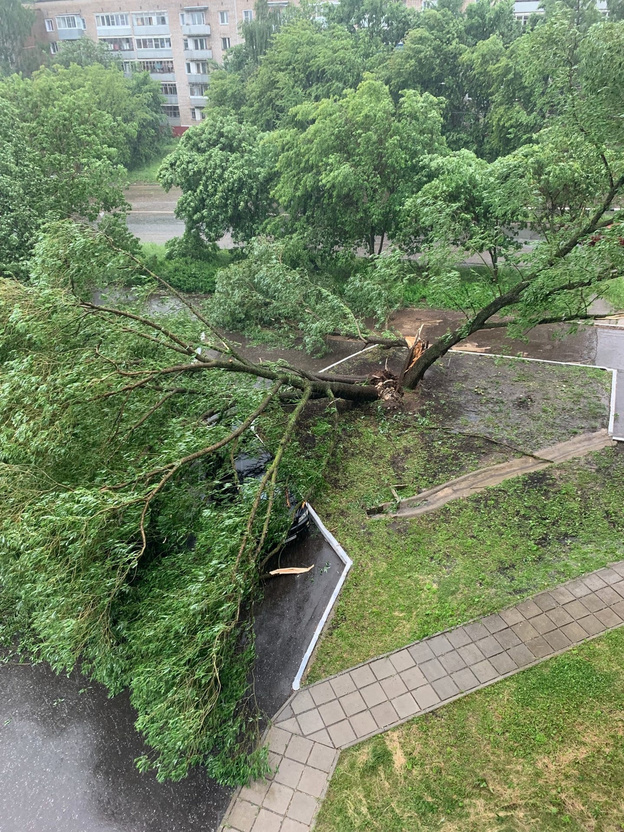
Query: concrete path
(319, 720)
(483, 478)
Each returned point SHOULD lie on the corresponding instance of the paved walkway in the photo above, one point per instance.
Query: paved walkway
(319, 720)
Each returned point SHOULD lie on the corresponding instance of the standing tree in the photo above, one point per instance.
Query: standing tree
(16, 21)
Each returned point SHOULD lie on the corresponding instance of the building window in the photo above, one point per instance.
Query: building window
(54, 47)
(118, 44)
(247, 15)
(154, 19)
(225, 43)
(49, 24)
(197, 89)
(193, 18)
(171, 110)
(198, 44)
(155, 67)
(153, 43)
(70, 21)
(110, 20)
(223, 18)
(169, 89)
(197, 113)
(197, 67)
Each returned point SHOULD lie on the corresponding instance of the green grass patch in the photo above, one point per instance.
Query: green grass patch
(148, 172)
(543, 750)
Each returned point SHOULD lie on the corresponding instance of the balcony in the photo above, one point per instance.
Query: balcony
(170, 99)
(150, 31)
(153, 54)
(198, 79)
(198, 54)
(163, 76)
(197, 29)
(70, 34)
(114, 31)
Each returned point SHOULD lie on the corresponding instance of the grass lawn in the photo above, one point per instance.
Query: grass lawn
(147, 172)
(542, 751)
(415, 577)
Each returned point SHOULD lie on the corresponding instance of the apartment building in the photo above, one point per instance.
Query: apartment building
(177, 44)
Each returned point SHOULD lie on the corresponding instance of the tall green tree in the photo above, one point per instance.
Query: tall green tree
(16, 21)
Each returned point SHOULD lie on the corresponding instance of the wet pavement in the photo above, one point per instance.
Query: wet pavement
(67, 751)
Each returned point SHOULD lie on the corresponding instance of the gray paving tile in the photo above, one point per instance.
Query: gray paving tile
(302, 807)
(511, 616)
(402, 660)
(290, 825)
(426, 697)
(619, 588)
(363, 724)
(413, 678)
(277, 798)
(288, 773)
(545, 601)
(299, 749)
(331, 712)
(578, 588)
(393, 686)
(311, 721)
(312, 782)
(476, 631)
(373, 695)
(384, 714)
(343, 684)
(432, 670)
(445, 687)
(507, 638)
(465, 679)
(255, 792)
(321, 737)
(557, 639)
(493, 623)
(322, 757)
(525, 630)
(242, 816)
(593, 602)
(291, 725)
(574, 632)
(608, 595)
(561, 595)
(342, 733)
(353, 703)
(542, 623)
(529, 608)
(521, 655)
(608, 575)
(559, 616)
(382, 668)
(452, 661)
(618, 609)
(278, 739)
(267, 822)
(459, 637)
(489, 646)
(592, 625)
(539, 647)
(362, 676)
(322, 693)
(421, 652)
(484, 671)
(618, 567)
(405, 705)
(608, 618)
(503, 663)
(302, 702)
(439, 645)
(471, 654)
(593, 581)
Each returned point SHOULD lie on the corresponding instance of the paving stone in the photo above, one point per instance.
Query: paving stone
(503, 663)
(471, 654)
(302, 808)
(302, 702)
(421, 652)
(578, 588)
(382, 668)
(291, 725)
(593, 581)
(290, 825)
(484, 671)
(608, 618)
(476, 631)
(593, 602)
(529, 608)
(559, 616)
(489, 646)
(525, 630)
(619, 588)
(277, 798)
(459, 637)
(561, 595)
(439, 645)
(278, 739)
(242, 816)
(267, 822)
(288, 773)
(465, 679)
(618, 567)
(255, 792)
(539, 647)
(445, 687)
(511, 616)
(322, 693)
(543, 624)
(521, 655)
(393, 687)
(362, 676)
(507, 638)
(286, 712)
(363, 724)
(331, 712)
(493, 623)
(321, 737)
(592, 625)
(312, 782)
(618, 609)
(426, 697)
(310, 722)
(432, 670)
(322, 757)
(373, 695)
(557, 639)
(343, 684)
(545, 601)
(353, 703)
(608, 575)
(608, 595)
(452, 661)
(274, 760)
(405, 705)
(342, 733)
(299, 749)
(413, 678)
(384, 714)
(574, 632)
(402, 660)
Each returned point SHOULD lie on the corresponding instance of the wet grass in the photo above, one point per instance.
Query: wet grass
(415, 577)
(148, 172)
(543, 751)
